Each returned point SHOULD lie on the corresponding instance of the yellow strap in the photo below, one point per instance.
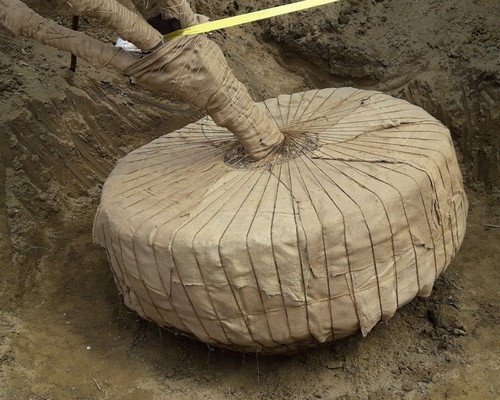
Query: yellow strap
(246, 18)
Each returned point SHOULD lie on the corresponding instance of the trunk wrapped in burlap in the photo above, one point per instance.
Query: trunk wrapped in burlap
(22, 21)
(114, 15)
(194, 70)
(358, 213)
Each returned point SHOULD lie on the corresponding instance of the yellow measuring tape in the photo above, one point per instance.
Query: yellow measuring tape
(246, 18)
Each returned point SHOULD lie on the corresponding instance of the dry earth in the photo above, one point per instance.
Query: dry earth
(64, 333)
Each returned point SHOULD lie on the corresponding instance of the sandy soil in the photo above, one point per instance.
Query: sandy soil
(64, 332)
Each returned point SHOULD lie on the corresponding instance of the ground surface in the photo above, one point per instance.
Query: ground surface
(64, 333)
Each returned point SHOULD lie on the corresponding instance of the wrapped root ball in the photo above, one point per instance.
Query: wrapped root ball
(357, 212)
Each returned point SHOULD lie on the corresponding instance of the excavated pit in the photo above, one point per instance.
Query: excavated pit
(64, 331)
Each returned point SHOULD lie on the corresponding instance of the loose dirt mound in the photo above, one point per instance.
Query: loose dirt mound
(63, 330)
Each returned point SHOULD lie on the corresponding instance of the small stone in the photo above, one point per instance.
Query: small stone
(459, 332)
(447, 317)
(407, 387)
(344, 19)
(427, 332)
(333, 364)
(170, 374)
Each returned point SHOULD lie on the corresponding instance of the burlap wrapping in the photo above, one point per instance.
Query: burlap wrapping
(22, 21)
(359, 212)
(123, 21)
(194, 70)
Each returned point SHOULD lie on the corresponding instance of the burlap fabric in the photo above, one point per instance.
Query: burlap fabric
(358, 213)
(194, 70)
(114, 15)
(22, 21)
